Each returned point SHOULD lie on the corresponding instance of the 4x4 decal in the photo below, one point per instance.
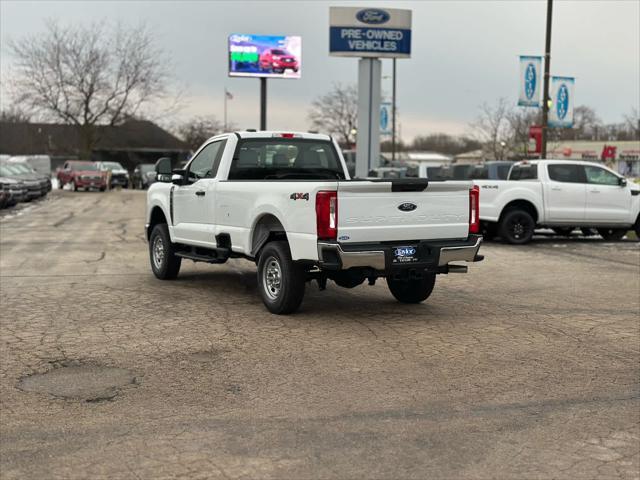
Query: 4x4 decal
(299, 196)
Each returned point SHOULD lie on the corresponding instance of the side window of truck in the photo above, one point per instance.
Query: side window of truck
(566, 173)
(524, 172)
(600, 176)
(206, 163)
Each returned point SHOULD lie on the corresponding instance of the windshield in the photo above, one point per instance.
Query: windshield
(83, 166)
(285, 158)
(8, 171)
(21, 168)
(278, 52)
(112, 166)
(147, 167)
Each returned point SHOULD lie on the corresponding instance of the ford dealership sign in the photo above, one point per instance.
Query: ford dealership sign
(562, 96)
(372, 16)
(529, 81)
(369, 32)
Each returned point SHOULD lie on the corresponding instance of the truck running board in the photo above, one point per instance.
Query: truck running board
(208, 255)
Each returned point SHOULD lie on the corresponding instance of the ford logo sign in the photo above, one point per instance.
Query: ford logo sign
(372, 16)
(407, 207)
(562, 102)
(404, 251)
(530, 81)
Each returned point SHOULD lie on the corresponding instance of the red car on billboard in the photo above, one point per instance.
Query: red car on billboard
(278, 60)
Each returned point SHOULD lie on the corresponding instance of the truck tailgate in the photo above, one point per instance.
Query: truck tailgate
(379, 211)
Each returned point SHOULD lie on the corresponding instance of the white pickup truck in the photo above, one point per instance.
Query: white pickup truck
(558, 194)
(285, 201)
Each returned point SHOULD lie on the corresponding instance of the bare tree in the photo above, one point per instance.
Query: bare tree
(336, 113)
(632, 123)
(520, 121)
(197, 130)
(493, 129)
(88, 75)
(14, 114)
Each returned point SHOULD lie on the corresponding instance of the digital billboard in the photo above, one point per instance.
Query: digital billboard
(265, 56)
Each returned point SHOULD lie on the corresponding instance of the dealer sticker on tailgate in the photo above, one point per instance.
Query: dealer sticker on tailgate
(404, 255)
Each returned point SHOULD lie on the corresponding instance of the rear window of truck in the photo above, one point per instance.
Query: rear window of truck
(524, 172)
(285, 159)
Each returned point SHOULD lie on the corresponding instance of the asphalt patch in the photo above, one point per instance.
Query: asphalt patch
(90, 383)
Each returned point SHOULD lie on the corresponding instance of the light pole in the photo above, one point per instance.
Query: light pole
(545, 95)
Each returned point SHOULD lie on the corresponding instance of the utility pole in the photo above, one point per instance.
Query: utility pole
(393, 114)
(545, 95)
(263, 103)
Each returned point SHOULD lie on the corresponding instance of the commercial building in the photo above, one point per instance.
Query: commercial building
(133, 142)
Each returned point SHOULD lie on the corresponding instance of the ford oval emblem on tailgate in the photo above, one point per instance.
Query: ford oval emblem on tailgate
(407, 206)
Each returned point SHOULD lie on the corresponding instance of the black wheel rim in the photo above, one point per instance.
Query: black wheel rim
(520, 227)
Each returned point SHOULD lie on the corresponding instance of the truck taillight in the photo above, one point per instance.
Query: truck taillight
(474, 209)
(327, 215)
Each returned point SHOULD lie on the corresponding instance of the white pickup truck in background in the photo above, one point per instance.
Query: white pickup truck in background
(285, 201)
(558, 194)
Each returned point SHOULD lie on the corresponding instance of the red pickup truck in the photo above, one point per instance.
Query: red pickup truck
(81, 174)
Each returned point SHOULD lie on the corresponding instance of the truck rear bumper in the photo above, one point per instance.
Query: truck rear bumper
(380, 256)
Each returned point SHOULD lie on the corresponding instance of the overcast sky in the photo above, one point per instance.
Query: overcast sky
(464, 53)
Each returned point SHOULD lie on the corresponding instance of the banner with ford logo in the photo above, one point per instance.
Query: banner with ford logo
(369, 32)
(561, 95)
(530, 81)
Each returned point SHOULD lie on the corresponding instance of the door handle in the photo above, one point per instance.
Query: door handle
(556, 189)
(594, 191)
(201, 193)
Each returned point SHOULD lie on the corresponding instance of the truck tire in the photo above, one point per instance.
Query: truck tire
(612, 234)
(164, 262)
(281, 281)
(74, 187)
(415, 290)
(516, 227)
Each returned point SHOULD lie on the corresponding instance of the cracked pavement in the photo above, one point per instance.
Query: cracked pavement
(526, 367)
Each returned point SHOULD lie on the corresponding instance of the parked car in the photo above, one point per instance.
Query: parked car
(143, 176)
(36, 187)
(278, 60)
(25, 167)
(39, 163)
(81, 174)
(285, 201)
(119, 175)
(15, 189)
(562, 195)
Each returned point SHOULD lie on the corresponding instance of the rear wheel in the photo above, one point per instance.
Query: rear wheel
(164, 262)
(414, 290)
(516, 227)
(281, 281)
(613, 233)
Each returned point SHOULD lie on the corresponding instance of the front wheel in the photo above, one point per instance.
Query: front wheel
(612, 233)
(516, 227)
(164, 262)
(281, 281)
(74, 187)
(414, 290)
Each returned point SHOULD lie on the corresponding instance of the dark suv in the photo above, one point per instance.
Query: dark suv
(143, 176)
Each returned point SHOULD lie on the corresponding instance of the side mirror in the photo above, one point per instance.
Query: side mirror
(622, 182)
(177, 179)
(163, 166)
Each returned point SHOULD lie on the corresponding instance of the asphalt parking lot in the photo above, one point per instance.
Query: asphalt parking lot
(526, 367)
